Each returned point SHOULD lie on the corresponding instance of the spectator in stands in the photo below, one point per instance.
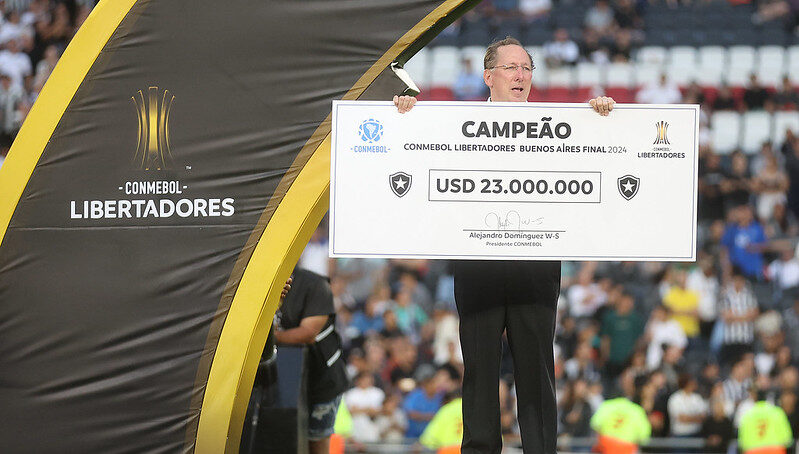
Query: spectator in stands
(790, 150)
(765, 153)
(711, 175)
(535, 10)
(422, 403)
(562, 50)
(738, 312)
(627, 16)
(13, 28)
(576, 410)
(687, 408)
(703, 280)
(684, 304)
(391, 422)
(662, 331)
(13, 109)
(736, 387)
(744, 241)
(44, 68)
(469, 85)
(585, 296)
(582, 365)
(370, 320)
(15, 63)
(717, 430)
(600, 17)
(315, 258)
(770, 185)
(410, 317)
(786, 97)
(621, 328)
(364, 402)
(755, 95)
(737, 183)
(622, 49)
(660, 92)
(724, 99)
(593, 49)
(790, 319)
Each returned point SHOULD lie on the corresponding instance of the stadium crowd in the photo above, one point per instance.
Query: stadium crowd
(33, 35)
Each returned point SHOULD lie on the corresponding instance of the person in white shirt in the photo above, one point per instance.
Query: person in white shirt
(662, 331)
(703, 281)
(660, 92)
(365, 403)
(585, 296)
(687, 409)
(15, 63)
(784, 271)
(561, 51)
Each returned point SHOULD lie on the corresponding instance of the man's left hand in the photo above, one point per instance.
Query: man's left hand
(286, 288)
(404, 103)
(602, 105)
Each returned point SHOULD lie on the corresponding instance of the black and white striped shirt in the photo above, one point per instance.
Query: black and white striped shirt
(739, 303)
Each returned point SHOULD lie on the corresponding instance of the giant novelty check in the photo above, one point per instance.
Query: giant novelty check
(483, 180)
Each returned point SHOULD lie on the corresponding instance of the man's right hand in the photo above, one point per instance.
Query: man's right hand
(404, 103)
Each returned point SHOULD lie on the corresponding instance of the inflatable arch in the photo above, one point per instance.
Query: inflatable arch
(157, 197)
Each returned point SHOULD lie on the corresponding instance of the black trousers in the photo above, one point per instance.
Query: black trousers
(520, 297)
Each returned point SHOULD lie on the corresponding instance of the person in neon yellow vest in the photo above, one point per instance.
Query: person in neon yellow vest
(622, 426)
(445, 430)
(764, 429)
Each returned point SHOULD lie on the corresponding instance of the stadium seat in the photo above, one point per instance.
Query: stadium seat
(741, 58)
(475, 54)
(771, 56)
(558, 94)
(589, 74)
(619, 75)
(782, 122)
(712, 57)
(709, 76)
(537, 52)
(561, 77)
(756, 130)
(645, 73)
(793, 56)
(651, 55)
(682, 56)
(681, 75)
(725, 131)
(769, 76)
(419, 69)
(445, 62)
(737, 76)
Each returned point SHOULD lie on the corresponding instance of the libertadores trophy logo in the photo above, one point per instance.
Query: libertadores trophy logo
(628, 186)
(370, 130)
(152, 150)
(661, 138)
(400, 183)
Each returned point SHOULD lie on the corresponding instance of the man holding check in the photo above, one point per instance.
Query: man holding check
(519, 297)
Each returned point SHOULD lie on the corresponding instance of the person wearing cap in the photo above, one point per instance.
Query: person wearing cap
(422, 403)
(622, 426)
(764, 429)
(517, 297)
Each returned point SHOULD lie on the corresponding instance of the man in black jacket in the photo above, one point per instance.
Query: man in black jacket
(307, 316)
(519, 297)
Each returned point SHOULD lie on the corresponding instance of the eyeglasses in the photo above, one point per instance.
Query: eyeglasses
(513, 68)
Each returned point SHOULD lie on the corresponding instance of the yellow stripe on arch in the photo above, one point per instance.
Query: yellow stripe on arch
(53, 101)
(249, 318)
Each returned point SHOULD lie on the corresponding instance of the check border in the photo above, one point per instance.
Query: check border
(482, 104)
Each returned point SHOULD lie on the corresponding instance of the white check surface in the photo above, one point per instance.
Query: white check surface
(449, 180)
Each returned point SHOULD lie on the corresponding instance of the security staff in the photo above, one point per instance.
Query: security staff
(445, 430)
(519, 297)
(622, 426)
(764, 429)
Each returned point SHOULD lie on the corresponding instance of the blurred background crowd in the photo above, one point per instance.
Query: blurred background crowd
(695, 344)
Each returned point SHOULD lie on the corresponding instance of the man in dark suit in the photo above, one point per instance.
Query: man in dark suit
(519, 297)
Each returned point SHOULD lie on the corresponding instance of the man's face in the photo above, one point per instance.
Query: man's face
(507, 85)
